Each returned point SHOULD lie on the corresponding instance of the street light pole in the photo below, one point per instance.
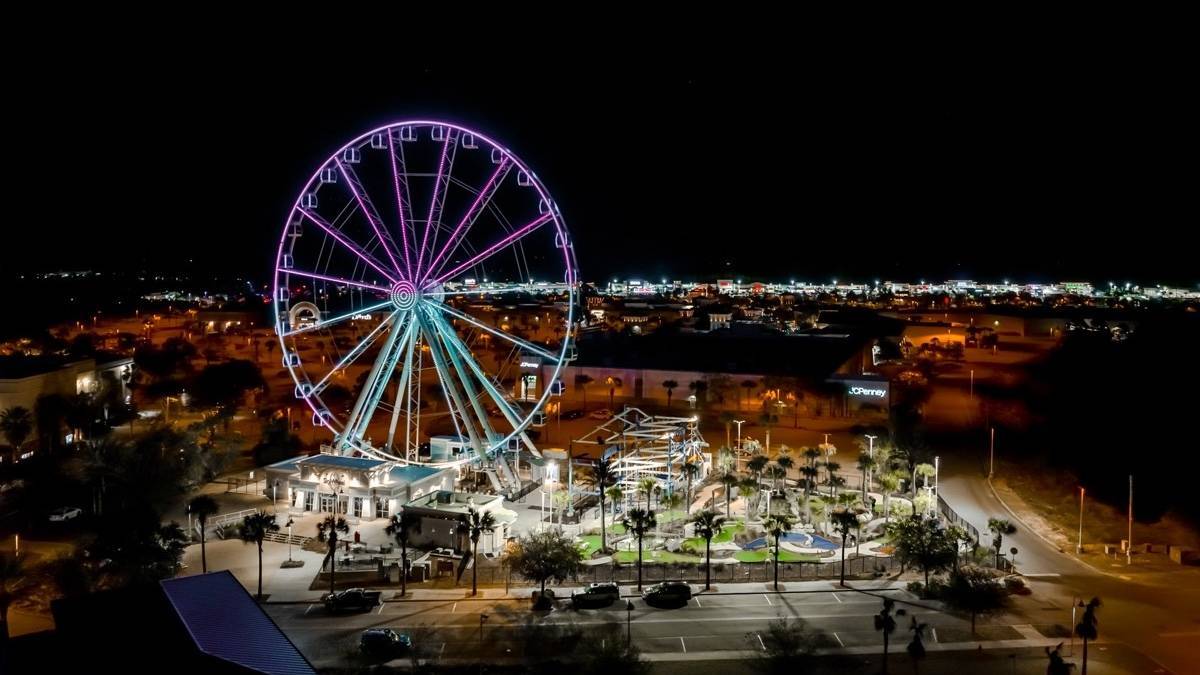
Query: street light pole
(871, 454)
(1079, 546)
(1129, 536)
(992, 455)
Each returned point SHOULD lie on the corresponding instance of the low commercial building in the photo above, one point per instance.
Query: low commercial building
(442, 511)
(356, 486)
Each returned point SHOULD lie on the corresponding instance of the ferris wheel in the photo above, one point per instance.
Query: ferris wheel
(424, 282)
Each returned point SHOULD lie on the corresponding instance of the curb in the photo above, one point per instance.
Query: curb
(1056, 547)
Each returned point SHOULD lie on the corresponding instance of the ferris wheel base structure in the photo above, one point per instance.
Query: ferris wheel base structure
(390, 245)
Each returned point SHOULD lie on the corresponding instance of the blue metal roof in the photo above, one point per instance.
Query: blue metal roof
(288, 464)
(225, 622)
(412, 472)
(359, 463)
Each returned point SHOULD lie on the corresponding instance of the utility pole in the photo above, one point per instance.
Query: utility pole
(1079, 546)
(1129, 536)
(992, 455)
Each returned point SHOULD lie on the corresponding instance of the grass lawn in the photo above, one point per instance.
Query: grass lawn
(616, 528)
(763, 556)
(726, 536)
(589, 543)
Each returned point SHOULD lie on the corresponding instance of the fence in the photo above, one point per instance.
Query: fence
(954, 519)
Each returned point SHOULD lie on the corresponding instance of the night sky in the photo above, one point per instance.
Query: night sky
(688, 162)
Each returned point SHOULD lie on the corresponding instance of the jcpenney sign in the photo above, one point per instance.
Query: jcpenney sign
(863, 391)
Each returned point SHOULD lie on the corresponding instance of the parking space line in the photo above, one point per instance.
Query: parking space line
(381, 606)
(698, 602)
(308, 609)
(760, 641)
(683, 644)
(840, 643)
(835, 597)
(769, 603)
(454, 608)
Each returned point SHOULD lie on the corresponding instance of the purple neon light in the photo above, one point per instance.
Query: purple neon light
(320, 222)
(336, 280)
(484, 195)
(437, 186)
(492, 249)
(400, 204)
(370, 216)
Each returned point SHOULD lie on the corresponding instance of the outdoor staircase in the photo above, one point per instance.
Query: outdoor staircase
(281, 538)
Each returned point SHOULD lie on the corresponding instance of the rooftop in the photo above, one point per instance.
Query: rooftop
(355, 463)
(453, 502)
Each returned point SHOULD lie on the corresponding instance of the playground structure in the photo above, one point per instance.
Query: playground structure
(640, 445)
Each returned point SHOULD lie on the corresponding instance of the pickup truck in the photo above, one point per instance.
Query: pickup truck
(352, 598)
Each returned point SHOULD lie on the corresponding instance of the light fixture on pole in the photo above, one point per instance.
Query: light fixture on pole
(739, 432)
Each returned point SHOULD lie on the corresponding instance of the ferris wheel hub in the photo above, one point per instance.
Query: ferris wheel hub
(404, 295)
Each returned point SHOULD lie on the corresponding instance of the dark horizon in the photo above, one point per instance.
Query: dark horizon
(1032, 168)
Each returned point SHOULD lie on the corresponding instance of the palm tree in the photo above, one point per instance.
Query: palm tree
(1087, 628)
(602, 476)
(616, 494)
(690, 471)
(747, 488)
(582, 380)
(885, 622)
(727, 418)
(327, 531)
(999, 527)
(399, 527)
(777, 526)
(756, 464)
(730, 481)
(670, 386)
(473, 525)
(613, 384)
(17, 424)
(888, 483)
(646, 488)
(708, 524)
(253, 531)
(15, 583)
(203, 506)
(699, 389)
(916, 648)
(785, 462)
(831, 469)
(843, 523)
(865, 464)
(639, 522)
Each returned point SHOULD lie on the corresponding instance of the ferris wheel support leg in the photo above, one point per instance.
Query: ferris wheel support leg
(448, 385)
(401, 390)
(364, 407)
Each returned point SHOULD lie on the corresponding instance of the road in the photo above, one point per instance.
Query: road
(710, 627)
(1161, 621)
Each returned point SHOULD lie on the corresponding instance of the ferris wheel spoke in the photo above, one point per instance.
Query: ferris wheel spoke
(502, 403)
(402, 388)
(468, 219)
(356, 351)
(374, 385)
(337, 319)
(523, 344)
(448, 385)
(369, 212)
(488, 252)
(335, 280)
(459, 363)
(437, 200)
(403, 199)
(344, 241)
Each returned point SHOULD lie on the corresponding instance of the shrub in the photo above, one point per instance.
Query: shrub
(915, 587)
(1016, 586)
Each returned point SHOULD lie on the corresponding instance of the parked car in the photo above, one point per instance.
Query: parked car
(671, 593)
(65, 513)
(384, 643)
(601, 594)
(572, 414)
(601, 414)
(352, 598)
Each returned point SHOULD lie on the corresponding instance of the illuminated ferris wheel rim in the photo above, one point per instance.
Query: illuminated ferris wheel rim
(410, 288)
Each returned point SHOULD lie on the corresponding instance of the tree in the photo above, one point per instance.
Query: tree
(17, 424)
(749, 386)
(777, 526)
(865, 464)
(885, 622)
(785, 648)
(699, 389)
(999, 527)
(541, 556)
(473, 524)
(638, 522)
(747, 488)
(400, 526)
(616, 494)
(49, 412)
(254, 530)
(327, 531)
(203, 506)
(729, 480)
(690, 471)
(708, 524)
(916, 648)
(922, 542)
(582, 380)
(888, 483)
(670, 386)
(1057, 665)
(785, 463)
(843, 523)
(976, 591)
(613, 383)
(224, 385)
(1087, 628)
(602, 476)
(646, 488)
(15, 584)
